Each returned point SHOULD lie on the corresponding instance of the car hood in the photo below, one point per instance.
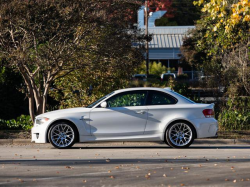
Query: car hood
(65, 111)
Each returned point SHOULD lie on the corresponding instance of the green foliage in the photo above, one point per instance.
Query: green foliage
(22, 122)
(155, 68)
(235, 115)
(47, 40)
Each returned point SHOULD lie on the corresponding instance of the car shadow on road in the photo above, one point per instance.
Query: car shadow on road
(160, 147)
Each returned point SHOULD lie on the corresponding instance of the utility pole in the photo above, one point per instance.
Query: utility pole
(147, 38)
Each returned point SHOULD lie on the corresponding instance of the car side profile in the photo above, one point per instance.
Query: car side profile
(133, 114)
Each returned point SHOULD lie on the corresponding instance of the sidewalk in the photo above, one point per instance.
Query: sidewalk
(197, 141)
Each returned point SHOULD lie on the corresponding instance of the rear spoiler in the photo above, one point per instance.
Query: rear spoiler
(211, 106)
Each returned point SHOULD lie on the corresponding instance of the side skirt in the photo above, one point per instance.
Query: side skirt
(138, 138)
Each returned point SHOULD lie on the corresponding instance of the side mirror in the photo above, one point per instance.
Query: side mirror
(104, 104)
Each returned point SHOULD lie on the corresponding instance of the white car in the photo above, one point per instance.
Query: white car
(133, 114)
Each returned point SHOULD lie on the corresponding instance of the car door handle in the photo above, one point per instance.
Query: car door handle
(140, 112)
(84, 118)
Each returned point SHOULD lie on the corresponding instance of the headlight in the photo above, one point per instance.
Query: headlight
(42, 120)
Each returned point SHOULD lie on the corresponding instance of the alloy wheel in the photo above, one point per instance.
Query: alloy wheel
(180, 134)
(62, 135)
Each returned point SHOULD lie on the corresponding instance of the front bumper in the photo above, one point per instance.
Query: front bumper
(206, 127)
(38, 133)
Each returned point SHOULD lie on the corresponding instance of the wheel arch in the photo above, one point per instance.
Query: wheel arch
(179, 120)
(63, 120)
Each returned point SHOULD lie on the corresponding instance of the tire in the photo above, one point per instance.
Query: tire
(180, 135)
(62, 135)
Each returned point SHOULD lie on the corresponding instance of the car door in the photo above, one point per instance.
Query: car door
(125, 115)
(160, 106)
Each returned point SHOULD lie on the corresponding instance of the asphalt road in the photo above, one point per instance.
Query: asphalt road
(117, 165)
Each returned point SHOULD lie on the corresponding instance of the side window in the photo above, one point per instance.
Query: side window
(160, 98)
(132, 98)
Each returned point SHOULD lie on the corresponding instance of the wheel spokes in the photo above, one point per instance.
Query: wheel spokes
(180, 134)
(62, 135)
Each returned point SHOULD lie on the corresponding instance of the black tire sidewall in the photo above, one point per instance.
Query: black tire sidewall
(168, 141)
(70, 145)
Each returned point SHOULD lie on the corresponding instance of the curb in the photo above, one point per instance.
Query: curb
(196, 142)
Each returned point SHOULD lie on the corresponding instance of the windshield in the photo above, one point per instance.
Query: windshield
(99, 100)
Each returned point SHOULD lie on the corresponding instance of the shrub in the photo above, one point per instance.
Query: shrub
(235, 115)
(22, 122)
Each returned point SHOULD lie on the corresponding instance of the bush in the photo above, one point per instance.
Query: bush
(22, 122)
(235, 115)
(182, 77)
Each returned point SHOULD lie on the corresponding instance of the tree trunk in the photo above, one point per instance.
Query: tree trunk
(31, 107)
(46, 90)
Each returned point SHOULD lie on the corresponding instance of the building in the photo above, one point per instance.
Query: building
(166, 41)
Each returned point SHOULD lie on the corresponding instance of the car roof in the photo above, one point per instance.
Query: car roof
(139, 88)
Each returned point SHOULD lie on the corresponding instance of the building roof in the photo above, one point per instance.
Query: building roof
(168, 37)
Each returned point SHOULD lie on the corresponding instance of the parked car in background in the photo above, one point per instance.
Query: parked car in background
(139, 77)
(167, 76)
(152, 77)
(132, 114)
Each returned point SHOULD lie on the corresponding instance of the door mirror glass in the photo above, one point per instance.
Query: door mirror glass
(104, 104)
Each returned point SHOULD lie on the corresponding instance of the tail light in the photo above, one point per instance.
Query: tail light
(208, 113)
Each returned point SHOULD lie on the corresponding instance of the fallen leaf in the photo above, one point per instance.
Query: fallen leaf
(34, 180)
(164, 175)
(147, 176)
(232, 167)
(112, 177)
(109, 171)
(149, 173)
(20, 180)
(226, 179)
(84, 181)
(208, 179)
(234, 181)
(182, 184)
(108, 160)
(116, 167)
(68, 167)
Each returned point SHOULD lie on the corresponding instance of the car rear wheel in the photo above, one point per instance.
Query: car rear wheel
(180, 135)
(62, 135)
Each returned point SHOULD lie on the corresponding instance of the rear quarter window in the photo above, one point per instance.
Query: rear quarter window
(160, 98)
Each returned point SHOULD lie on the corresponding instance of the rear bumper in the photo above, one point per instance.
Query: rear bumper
(206, 127)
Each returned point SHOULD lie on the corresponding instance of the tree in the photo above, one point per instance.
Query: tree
(47, 40)
(114, 70)
(212, 45)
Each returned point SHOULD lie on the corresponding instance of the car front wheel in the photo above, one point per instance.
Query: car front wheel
(180, 135)
(62, 135)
